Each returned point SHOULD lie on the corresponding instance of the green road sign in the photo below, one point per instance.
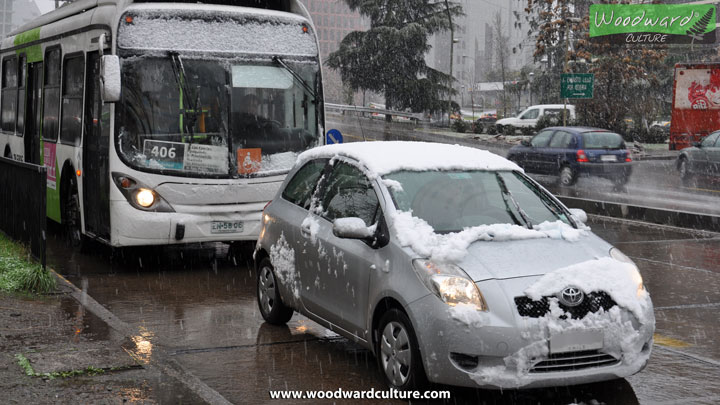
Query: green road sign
(577, 85)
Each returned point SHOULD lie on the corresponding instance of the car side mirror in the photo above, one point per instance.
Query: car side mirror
(697, 144)
(578, 214)
(110, 78)
(353, 228)
(525, 142)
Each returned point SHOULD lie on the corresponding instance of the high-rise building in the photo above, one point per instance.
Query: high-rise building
(14, 13)
(333, 20)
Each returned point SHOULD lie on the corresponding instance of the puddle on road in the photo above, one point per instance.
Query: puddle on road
(85, 323)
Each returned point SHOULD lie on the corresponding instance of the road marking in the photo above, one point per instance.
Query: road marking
(692, 356)
(700, 189)
(669, 342)
(690, 306)
(673, 264)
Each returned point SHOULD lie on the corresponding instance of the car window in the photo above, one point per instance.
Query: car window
(530, 114)
(541, 140)
(557, 111)
(349, 193)
(710, 140)
(603, 140)
(300, 189)
(561, 139)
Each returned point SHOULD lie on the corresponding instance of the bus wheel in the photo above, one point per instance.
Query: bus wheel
(71, 218)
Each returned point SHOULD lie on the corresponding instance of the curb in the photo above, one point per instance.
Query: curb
(680, 219)
(160, 359)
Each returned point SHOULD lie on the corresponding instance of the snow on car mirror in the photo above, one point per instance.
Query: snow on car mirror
(579, 214)
(110, 77)
(352, 228)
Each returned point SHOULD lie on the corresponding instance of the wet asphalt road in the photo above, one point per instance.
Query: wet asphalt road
(199, 306)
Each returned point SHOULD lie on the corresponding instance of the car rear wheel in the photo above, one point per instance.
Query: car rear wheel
(567, 176)
(272, 308)
(398, 352)
(684, 170)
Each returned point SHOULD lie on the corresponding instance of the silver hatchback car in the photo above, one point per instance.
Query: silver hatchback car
(452, 266)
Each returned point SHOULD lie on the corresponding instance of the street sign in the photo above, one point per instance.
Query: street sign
(333, 136)
(577, 85)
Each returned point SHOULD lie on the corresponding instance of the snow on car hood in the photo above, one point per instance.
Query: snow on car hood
(504, 244)
(530, 257)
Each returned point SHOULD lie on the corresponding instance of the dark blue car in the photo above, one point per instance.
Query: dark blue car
(571, 152)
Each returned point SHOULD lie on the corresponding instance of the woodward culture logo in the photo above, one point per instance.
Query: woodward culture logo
(653, 23)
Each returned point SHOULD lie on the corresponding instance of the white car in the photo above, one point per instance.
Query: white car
(529, 117)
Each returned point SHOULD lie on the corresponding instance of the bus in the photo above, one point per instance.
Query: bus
(162, 123)
(695, 103)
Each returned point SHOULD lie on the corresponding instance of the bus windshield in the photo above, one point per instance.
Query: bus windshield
(218, 118)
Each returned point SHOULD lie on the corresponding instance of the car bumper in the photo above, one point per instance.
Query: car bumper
(607, 170)
(487, 351)
(133, 227)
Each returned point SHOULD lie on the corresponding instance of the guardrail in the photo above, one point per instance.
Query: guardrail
(342, 107)
(22, 204)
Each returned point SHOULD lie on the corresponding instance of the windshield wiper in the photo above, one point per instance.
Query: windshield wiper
(181, 79)
(507, 198)
(296, 76)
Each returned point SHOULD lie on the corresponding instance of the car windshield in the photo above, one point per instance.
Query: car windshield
(219, 118)
(603, 140)
(451, 201)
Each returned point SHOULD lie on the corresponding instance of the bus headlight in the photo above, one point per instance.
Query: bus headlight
(145, 198)
(139, 195)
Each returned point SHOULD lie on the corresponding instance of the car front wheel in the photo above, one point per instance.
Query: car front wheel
(272, 308)
(398, 352)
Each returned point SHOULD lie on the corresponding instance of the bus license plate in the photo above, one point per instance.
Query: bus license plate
(226, 227)
(577, 340)
(608, 158)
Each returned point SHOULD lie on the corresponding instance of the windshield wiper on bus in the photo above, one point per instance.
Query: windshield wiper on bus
(181, 79)
(296, 76)
(507, 198)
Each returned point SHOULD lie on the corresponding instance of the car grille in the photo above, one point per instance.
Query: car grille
(574, 361)
(592, 303)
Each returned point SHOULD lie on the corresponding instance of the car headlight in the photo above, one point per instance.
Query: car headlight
(616, 254)
(140, 195)
(449, 283)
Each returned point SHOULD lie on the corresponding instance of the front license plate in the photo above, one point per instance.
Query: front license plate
(608, 158)
(226, 227)
(577, 340)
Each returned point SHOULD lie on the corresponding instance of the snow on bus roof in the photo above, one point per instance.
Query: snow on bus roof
(386, 157)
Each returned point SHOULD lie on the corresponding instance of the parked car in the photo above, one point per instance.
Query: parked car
(486, 119)
(528, 118)
(450, 265)
(571, 152)
(702, 159)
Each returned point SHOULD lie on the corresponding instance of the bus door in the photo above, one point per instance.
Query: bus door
(96, 144)
(33, 115)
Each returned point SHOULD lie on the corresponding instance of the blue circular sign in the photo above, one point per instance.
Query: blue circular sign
(333, 136)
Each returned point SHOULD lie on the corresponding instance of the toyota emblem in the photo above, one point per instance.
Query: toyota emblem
(571, 296)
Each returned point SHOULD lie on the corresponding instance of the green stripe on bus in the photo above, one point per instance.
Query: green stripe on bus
(34, 52)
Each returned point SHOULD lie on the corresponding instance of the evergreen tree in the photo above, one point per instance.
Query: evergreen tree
(389, 58)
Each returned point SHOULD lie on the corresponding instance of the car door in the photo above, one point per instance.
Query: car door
(339, 270)
(529, 118)
(534, 156)
(713, 156)
(702, 160)
(558, 148)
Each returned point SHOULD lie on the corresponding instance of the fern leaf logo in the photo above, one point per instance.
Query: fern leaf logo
(697, 31)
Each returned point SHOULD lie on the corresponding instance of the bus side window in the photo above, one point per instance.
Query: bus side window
(72, 93)
(51, 94)
(9, 94)
(22, 73)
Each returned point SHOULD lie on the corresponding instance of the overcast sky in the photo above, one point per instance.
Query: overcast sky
(45, 5)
